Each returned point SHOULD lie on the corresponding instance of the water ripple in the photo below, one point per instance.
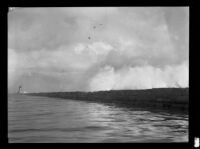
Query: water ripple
(41, 119)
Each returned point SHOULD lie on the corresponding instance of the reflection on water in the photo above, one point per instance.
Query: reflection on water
(42, 119)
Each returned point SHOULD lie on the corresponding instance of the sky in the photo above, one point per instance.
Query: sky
(97, 48)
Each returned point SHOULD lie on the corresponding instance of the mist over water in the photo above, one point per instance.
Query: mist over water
(42, 119)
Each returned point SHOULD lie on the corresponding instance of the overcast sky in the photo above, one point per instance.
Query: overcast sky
(97, 48)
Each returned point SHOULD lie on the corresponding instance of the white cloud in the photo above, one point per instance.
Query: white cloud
(143, 77)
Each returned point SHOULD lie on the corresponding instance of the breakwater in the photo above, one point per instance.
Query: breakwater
(158, 98)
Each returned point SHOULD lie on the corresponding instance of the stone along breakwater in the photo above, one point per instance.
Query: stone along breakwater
(175, 99)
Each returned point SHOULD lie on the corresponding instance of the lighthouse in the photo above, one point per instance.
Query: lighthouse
(20, 90)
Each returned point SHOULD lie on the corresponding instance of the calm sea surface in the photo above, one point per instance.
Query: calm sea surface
(42, 119)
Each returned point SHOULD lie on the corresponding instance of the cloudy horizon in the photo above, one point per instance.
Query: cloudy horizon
(97, 48)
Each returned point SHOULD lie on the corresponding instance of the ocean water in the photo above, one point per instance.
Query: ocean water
(33, 119)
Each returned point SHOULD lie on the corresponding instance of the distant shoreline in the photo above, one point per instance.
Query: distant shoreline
(175, 99)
